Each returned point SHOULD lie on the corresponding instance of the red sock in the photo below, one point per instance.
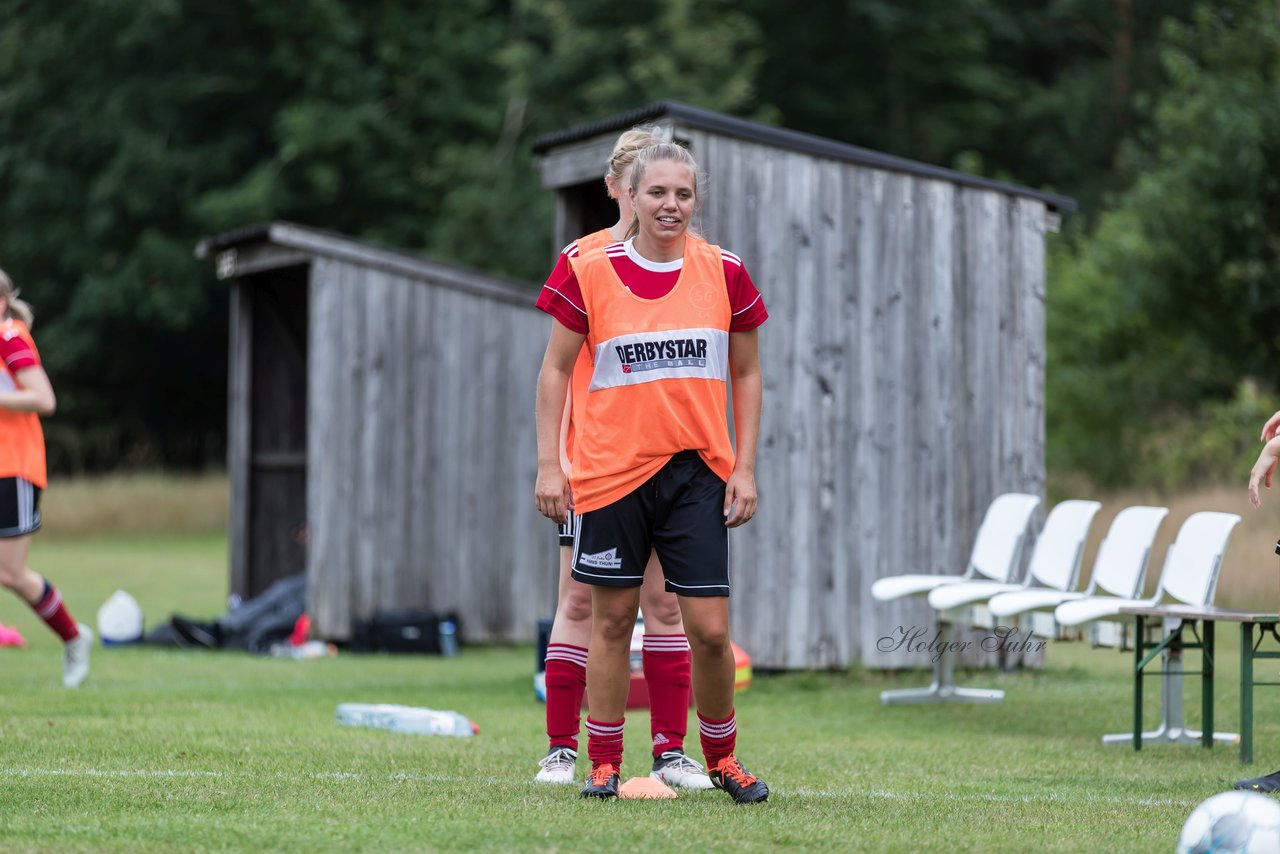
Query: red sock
(604, 743)
(566, 683)
(666, 673)
(719, 738)
(54, 613)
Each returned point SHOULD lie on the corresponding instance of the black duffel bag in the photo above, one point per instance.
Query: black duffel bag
(408, 631)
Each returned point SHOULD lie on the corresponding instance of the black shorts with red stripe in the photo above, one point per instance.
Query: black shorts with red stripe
(679, 514)
(19, 507)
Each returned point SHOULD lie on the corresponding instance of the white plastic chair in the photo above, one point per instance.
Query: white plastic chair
(997, 552)
(1055, 564)
(1189, 577)
(1118, 570)
(1190, 574)
(1055, 560)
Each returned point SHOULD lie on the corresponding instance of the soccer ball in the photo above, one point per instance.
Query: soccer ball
(1243, 822)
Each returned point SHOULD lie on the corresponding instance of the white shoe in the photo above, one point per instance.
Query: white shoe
(75, 657)
(676, 769)
(540, 686)
(557, 766)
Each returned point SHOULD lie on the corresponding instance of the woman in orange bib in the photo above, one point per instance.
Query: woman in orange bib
(25, 395)
(669, 320)
(665, 656)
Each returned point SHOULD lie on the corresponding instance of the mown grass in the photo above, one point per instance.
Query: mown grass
(166, 750)
(198, 751)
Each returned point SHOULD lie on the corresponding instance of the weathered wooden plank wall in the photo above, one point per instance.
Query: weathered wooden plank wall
(903, 365)
(239, 419)
(421, 453)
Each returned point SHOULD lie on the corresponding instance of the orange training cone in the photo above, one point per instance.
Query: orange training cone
(645, 787)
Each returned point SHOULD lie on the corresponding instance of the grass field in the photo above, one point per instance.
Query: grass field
(200, 751)
(173, 750)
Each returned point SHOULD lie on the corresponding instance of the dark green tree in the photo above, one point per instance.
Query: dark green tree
(1035, 93)
(1159, 315)
(128, 132)
(567, 62)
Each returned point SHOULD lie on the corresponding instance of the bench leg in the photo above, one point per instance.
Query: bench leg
(1172, 728)
(1246, 693)
(1206, 683)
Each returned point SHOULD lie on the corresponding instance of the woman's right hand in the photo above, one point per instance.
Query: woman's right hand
(551, 493)
(1271, 428)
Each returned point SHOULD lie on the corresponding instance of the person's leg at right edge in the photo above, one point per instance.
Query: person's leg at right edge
(1267, 783)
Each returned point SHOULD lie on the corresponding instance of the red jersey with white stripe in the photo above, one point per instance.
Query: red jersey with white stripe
(561, 296)
(21, 439)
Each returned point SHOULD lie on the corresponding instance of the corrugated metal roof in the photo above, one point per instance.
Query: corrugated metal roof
(818, 146)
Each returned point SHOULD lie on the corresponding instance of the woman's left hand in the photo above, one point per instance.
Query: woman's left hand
(739, 499)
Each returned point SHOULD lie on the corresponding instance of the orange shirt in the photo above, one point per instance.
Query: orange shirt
(581, 369)
(659, 377)
(21, 439)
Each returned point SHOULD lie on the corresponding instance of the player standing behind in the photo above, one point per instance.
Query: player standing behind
(25, 395)
(669, 319)
(1263, 473)
(666, 650)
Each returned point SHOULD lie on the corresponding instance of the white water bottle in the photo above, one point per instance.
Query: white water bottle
(448, 637)
(407, 719)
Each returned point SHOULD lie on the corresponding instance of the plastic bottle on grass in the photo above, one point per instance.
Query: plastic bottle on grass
(407, 719)
(309, 649)
(448, 638)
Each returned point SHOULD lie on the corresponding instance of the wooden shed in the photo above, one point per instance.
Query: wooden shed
(383, 404)
(903, 363)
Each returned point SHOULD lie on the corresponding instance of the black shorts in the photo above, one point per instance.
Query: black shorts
(678, 513)
(19, 507)
(569, 529)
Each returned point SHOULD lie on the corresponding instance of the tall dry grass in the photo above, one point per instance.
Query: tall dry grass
(136, 504)
(1250, 575)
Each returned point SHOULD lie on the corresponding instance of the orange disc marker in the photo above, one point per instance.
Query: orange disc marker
(645, 787)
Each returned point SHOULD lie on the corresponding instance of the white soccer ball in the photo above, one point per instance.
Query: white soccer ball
(1232, 823)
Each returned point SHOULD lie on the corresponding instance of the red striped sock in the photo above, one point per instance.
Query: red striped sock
(566, 683)
(51, 609)
(604, 743)
(719, 738)
(666, 674)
